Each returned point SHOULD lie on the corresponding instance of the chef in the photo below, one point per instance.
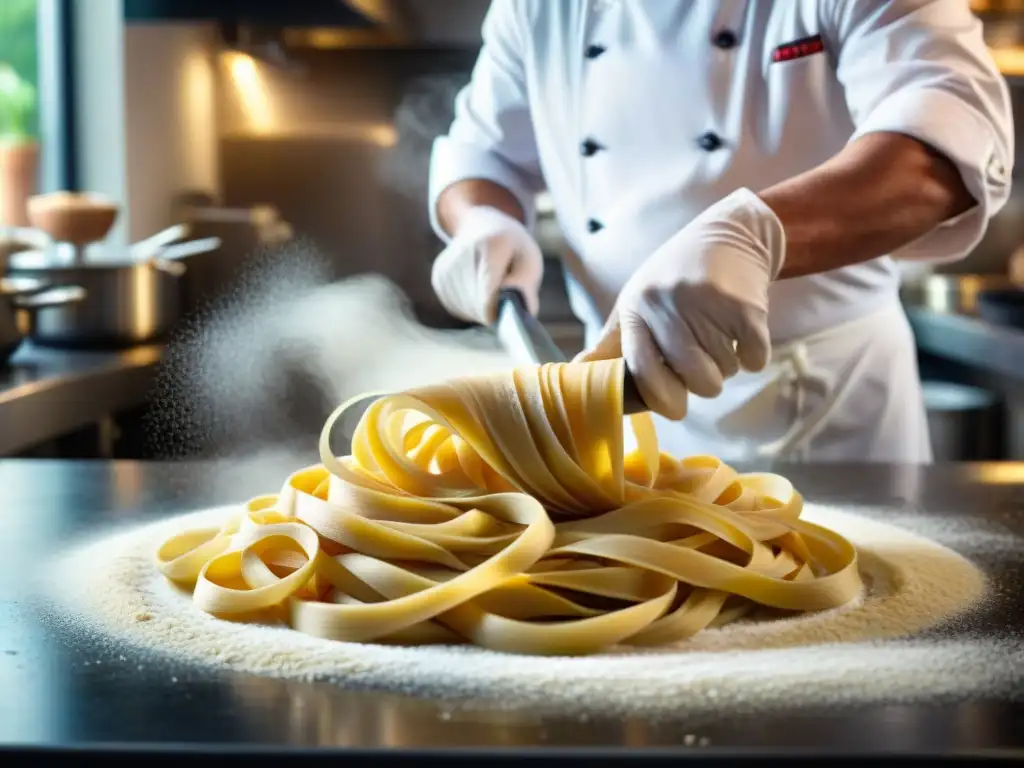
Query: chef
(737, 180)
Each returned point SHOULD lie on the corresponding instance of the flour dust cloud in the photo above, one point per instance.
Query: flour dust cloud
(259, 370)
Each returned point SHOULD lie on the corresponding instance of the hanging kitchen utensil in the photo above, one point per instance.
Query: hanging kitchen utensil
(129, 300)
(21, 299)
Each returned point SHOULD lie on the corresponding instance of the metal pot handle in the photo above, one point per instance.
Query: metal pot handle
(151, 246)
(166, 260)
(27, 236)
(172, 268)
(53, 297)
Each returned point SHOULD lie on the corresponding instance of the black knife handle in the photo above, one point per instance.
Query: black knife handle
(632, 402)
(514, 297)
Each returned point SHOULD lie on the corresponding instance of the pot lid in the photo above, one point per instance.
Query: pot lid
(21, 286)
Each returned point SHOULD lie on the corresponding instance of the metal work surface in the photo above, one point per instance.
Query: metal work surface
(50, 696)
(46, 393)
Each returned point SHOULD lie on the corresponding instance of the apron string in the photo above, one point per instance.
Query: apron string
(797, 370)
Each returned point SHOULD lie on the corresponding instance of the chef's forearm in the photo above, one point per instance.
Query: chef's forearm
(881, 192)
(457, 199)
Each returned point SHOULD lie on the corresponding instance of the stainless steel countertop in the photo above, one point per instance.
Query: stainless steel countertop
(45, 393)
(53, 699)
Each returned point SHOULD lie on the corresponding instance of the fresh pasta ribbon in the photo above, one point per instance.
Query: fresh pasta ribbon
(506, 511)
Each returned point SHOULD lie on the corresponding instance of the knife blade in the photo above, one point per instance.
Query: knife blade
(528, 343)
(521, 335)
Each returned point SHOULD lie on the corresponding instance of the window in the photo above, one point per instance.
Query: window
(19, 50)
(19, 109)
(36, 115)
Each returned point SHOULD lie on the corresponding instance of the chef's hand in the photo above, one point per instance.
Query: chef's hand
(697, 309)
(491, 250)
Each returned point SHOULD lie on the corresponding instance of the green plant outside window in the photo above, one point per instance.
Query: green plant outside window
(19, 72)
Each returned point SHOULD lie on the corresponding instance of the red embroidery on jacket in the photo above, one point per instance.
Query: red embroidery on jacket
(798, 49)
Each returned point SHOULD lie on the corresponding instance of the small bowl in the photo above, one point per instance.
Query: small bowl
(73, 217)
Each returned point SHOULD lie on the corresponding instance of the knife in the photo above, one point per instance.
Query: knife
(529, 343)
(526, 341)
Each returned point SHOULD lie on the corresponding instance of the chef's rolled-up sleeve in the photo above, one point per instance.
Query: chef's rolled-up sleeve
(492, 135)
(921, 68)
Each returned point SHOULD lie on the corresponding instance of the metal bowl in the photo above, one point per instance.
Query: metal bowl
(73, 217)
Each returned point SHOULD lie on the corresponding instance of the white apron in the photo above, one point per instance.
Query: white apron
(848, 393)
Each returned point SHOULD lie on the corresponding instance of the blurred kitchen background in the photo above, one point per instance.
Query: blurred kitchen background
(255, 122)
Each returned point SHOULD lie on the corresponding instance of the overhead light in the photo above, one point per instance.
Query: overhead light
(244, 74)
(263, 44)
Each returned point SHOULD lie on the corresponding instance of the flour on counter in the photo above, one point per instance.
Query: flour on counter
(875, 649)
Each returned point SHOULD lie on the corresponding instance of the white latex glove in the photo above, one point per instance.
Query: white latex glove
(696, 310)
(490, 251)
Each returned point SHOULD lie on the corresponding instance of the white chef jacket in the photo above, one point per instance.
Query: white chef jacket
(636, 115)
